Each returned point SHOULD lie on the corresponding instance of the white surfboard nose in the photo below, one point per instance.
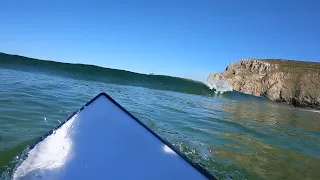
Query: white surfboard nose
(104, 141)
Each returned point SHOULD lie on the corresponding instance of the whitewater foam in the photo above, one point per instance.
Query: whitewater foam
(220, 85)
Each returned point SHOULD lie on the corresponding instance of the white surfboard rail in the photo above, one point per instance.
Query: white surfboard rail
(104, 141)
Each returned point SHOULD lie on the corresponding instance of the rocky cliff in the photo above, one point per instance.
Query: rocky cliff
(294, 82)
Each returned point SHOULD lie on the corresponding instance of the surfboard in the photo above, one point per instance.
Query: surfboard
(102, 140)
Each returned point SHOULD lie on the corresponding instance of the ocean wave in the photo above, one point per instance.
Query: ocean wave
(106, 75)
(220, 86)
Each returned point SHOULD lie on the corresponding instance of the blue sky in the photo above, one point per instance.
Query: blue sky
(174, 37)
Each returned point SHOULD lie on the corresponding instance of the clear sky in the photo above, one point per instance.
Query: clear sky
(174, 37)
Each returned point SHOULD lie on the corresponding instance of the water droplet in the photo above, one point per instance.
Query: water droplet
(54, 132)
(59, 121)
(45, 119)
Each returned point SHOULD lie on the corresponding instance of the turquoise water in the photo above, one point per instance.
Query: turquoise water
(234, 136)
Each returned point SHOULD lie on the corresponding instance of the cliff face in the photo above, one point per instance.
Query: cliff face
(295, 82)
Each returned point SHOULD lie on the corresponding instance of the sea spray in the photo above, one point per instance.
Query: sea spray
(220, 85)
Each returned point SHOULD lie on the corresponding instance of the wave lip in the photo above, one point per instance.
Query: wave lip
(220, 85)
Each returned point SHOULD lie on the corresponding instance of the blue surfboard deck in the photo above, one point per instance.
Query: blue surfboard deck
(104, 141)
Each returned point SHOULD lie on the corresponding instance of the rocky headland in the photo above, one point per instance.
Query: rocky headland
(296, 83)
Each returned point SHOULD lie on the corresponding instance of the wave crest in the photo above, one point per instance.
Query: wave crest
(219, 85)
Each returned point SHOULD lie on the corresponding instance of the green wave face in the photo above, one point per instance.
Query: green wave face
(106, 75)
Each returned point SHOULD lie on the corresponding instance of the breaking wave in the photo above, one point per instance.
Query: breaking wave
(113, 76)
(219, 85)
